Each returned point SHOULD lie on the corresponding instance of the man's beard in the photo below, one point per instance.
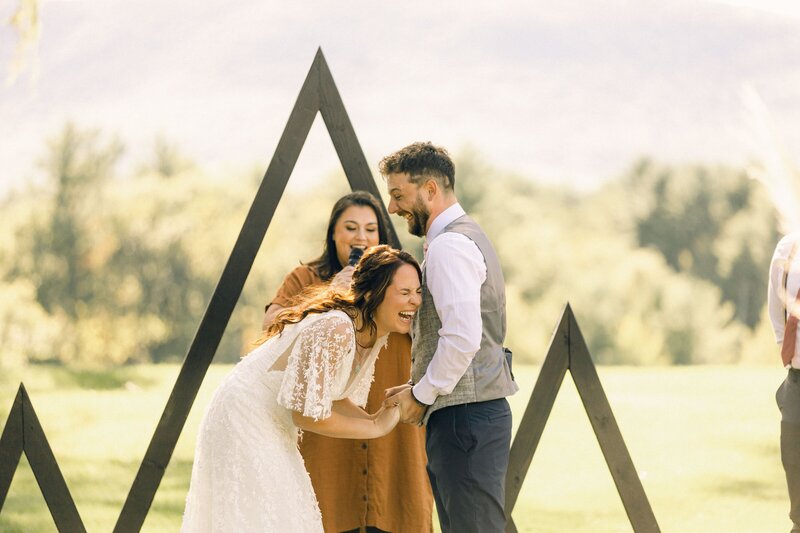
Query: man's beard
(419, 218)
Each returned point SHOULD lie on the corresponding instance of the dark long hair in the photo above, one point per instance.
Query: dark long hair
(327, 264)
(372, 276)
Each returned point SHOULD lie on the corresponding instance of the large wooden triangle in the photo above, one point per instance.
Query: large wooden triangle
(24, 433)
(568, 351)
(318, 94)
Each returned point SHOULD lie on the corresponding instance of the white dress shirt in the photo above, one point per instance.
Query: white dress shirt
(776, 294)
(454, 272)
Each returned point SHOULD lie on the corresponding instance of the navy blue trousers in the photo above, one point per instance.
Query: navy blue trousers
(467, 448)
(788, 398)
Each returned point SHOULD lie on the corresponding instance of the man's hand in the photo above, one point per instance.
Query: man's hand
(410, 411)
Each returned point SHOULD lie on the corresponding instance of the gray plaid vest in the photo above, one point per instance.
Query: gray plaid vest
(489, 375)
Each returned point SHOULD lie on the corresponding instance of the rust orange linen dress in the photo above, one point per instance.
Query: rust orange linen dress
(380, 482)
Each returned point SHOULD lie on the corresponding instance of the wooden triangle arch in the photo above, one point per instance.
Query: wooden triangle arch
(23, 433)
(568, 351)
(318, 94)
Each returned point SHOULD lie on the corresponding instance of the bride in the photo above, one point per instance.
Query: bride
(312, 374)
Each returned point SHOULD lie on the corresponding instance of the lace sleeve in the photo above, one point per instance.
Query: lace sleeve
(318, 366)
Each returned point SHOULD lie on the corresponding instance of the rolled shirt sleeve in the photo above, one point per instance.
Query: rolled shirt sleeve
(775, 305)
(778, 296)
(455, 270)
(776, 292)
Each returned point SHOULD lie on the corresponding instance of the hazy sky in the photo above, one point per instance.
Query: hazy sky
(569, 91)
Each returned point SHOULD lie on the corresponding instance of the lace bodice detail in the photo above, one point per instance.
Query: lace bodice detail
(322, 367)
(358, 391)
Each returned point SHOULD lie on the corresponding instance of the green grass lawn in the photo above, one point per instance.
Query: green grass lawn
(704, 440)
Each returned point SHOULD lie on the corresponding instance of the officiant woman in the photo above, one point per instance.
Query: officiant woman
(363, 485)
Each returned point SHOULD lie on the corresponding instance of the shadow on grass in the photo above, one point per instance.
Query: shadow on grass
(765, 449)
(53, 377)
(749, 489)
(543, 520)
(109, 379)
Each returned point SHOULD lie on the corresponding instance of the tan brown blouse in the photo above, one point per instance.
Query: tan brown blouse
(380, 482)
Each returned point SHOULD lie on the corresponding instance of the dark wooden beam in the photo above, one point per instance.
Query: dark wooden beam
(605, 427)
(318, 94)
(531, 427)
(11, 446)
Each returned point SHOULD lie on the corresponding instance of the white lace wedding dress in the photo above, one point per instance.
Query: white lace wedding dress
(248, 475)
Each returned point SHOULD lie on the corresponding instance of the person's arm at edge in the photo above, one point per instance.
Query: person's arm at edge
(775, 303)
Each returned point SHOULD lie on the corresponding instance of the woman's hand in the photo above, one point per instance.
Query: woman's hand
(386, 418)
(394, 391)
(343, 278)
(269, 316)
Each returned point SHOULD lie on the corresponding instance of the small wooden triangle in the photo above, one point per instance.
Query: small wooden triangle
(568, 352)
(24, 433)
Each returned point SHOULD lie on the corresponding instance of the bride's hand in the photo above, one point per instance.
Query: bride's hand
(386, 418)
(394, 391)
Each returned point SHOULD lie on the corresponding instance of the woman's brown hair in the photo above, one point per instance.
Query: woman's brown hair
(372, 276)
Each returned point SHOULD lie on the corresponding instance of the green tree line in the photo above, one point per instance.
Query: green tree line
(663, 264)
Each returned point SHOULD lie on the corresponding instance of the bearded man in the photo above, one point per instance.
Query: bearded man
(461, 373)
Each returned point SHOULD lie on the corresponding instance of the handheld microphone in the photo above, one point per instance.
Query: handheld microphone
(355, 255)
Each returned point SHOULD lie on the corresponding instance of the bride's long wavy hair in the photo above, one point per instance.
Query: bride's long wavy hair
(372, 276)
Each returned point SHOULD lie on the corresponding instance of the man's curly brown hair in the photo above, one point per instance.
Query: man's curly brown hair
(421, 161)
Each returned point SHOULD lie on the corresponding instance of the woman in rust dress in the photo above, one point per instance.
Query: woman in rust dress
(363, 485)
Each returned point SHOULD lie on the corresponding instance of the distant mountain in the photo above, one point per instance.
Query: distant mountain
(567, 91)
